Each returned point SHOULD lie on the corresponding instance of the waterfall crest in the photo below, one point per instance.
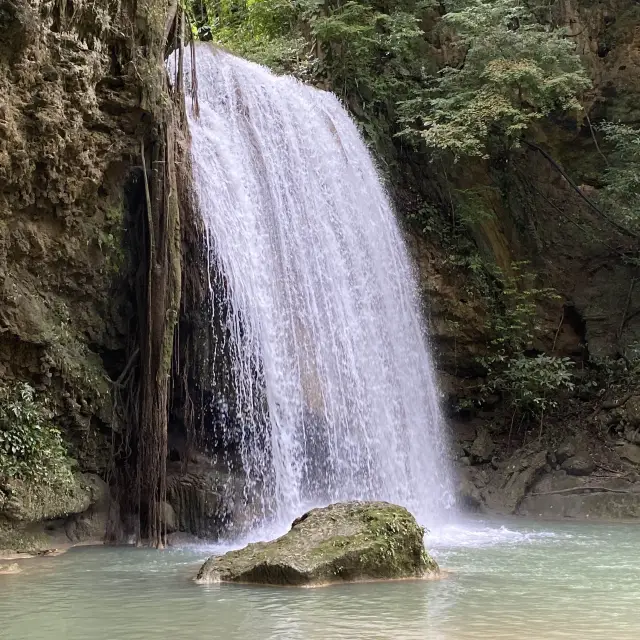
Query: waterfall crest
(333, 392)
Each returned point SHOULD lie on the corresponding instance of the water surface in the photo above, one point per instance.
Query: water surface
(509, 581)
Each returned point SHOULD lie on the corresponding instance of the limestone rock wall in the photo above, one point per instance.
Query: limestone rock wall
(68, 115)
(538, 218)
(77, 92)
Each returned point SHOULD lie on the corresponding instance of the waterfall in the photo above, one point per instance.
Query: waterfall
(333, 393)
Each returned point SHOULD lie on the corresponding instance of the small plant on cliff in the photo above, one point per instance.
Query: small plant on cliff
(513, 321)
(529, 384)
(621, 193)
(31, 448)
(513, 71)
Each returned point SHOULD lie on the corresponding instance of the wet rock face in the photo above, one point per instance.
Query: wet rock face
(580, 479)
(592, 505)
(630, 453)
(204, 499)
(560, 495)
(483, 447)
(509, 485)
(565, 451)
(68, 116)
(345, 542)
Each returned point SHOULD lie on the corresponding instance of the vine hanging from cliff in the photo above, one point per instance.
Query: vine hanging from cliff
(165, 203)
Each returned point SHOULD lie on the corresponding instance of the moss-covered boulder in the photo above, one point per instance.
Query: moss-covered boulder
(345, 542)
(37, 517)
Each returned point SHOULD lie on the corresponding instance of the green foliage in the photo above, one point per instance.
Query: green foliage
(31, 448)
(621, 193)
(529, 384)
(515, 71)
(369, 53)
(513, 322)
(472, 205)
(260, 30)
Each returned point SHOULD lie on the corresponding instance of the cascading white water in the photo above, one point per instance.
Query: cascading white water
(333, 390)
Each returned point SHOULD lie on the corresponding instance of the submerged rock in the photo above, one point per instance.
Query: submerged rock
(345, 542)
(9, 569)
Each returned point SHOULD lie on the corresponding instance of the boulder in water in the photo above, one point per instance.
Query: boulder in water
(345, 542)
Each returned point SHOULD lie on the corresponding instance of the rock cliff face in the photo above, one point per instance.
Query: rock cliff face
(78, 92)
(542, 220)
(66, 123)
(537, 217)
(75, 105)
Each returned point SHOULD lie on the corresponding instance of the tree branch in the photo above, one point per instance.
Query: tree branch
(577, 189)
(578, 490)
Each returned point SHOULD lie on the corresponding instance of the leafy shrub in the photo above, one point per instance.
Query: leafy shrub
(531, 385)
(515, 71)
(621, 193)
(513, 321)
(31, 448)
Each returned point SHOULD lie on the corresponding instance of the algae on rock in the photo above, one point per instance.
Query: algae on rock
(344, 542)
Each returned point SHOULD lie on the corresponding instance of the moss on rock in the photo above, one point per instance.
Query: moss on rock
(28, 502)
(33, 516)
(345, 542)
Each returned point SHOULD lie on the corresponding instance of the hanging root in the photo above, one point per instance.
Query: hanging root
(195, 106)
(142, 393)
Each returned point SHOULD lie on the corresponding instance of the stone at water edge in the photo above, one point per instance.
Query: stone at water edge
(344, 542)
(9, 569)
